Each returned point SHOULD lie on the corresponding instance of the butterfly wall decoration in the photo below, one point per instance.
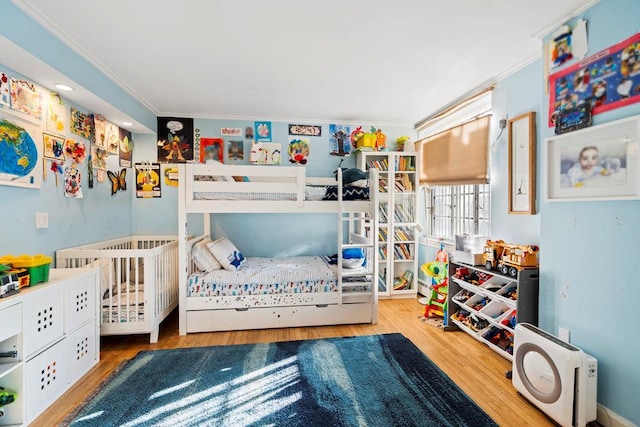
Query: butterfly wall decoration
(118, 181)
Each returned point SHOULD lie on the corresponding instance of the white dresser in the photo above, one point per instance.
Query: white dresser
(53, 329)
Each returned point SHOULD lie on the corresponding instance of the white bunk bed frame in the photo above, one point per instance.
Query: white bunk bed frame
(353, 217)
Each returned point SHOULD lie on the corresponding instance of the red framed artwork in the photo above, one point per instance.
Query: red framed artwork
(607, 80)
(211, 149)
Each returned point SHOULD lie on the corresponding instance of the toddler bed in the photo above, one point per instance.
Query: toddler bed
(139, 281)
(258, 293)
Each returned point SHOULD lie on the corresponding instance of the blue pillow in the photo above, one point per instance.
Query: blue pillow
(353, 257)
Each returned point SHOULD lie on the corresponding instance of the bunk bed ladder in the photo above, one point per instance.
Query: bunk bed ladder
(358, 230)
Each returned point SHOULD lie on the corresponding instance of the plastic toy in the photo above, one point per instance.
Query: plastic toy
(6, 397)
(9, 284)
(438, 270)
(508, 258)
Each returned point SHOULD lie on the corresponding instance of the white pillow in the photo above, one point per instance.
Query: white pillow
(203, 258)
(362, 183)
(227, 254)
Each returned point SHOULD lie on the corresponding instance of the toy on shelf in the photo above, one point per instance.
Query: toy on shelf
(6, 397)
(508, 258)
(438, 270)
(9, 281)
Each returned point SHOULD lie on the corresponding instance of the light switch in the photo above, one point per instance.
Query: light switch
(42, 220)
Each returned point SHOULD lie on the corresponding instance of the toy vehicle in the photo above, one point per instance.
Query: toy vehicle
(6, 397)
(9, 284)
(509, 258)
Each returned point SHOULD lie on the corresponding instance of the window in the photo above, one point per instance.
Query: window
(463, 208)
(457, 209)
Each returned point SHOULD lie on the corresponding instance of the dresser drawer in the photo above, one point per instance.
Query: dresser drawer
(42, 317)
(46, 378)
(10, 321)
(79, 302)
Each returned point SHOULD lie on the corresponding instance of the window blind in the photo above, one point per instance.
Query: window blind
(454, 144)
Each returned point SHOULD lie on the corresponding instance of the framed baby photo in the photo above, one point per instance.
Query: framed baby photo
(595, 163)
(522, 164)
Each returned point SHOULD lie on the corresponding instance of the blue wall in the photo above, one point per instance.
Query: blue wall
(97, 216)
(589, 252)
(588, 249)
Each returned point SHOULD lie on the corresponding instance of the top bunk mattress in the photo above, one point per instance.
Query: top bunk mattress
(311, 193)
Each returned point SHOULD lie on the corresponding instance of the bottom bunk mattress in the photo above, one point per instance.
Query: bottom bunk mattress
(262, 282)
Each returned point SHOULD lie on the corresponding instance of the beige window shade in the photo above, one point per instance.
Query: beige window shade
(459, 155)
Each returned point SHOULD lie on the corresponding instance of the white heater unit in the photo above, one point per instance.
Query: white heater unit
(557, 377)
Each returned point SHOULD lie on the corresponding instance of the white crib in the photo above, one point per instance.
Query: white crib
(139, 281)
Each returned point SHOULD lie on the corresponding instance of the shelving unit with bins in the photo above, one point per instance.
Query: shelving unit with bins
(487, 305)
(50, 338)
(397, 240)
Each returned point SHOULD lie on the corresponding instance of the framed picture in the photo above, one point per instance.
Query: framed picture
(522, 164)
(211, 149)
(596, 163)
(53, 146)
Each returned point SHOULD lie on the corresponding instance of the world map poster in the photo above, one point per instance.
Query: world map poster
(20, 159)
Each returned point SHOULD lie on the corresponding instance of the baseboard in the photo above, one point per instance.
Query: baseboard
(423, 288)
(607, 418)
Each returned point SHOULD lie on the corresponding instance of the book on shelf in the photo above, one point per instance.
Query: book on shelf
(401, 214)
(382, 164)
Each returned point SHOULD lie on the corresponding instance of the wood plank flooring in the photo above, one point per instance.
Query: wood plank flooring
(476, 369)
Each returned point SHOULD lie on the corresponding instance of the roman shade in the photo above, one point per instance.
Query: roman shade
(454, 141)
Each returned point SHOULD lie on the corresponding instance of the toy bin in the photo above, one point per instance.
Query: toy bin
(367, 142)
(36, 265)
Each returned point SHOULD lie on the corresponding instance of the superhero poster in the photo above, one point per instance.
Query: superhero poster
(607, 80)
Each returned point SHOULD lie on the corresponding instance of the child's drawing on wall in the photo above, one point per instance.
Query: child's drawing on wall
(211, 149)
(236, 150)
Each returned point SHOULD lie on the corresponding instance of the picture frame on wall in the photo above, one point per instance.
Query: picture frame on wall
(522, 164)
(598, 163)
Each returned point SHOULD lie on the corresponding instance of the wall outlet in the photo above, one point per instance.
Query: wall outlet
(42, 220)
(564, 334)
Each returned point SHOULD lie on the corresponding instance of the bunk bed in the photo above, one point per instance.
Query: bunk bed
(259, 293)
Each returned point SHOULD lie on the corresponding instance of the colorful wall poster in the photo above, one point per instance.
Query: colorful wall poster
(263, 131)
(265, 153)
(340, 145)
(26, 98)
(56, 114)
(305, 130)
(235, 150)
(231, 132)
(125, 152)
(148, 183)
(82, 124)
(211, 149)
(298, 151)
(175, 139)
(107, 134)
(53, 147)
(5, 91)
(607, 80)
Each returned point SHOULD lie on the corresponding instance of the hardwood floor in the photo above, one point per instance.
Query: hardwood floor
(478, 370)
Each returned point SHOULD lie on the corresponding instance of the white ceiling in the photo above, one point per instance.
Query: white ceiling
(357, 61)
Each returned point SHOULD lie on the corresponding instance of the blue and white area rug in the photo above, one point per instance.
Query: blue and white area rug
(377, 380)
